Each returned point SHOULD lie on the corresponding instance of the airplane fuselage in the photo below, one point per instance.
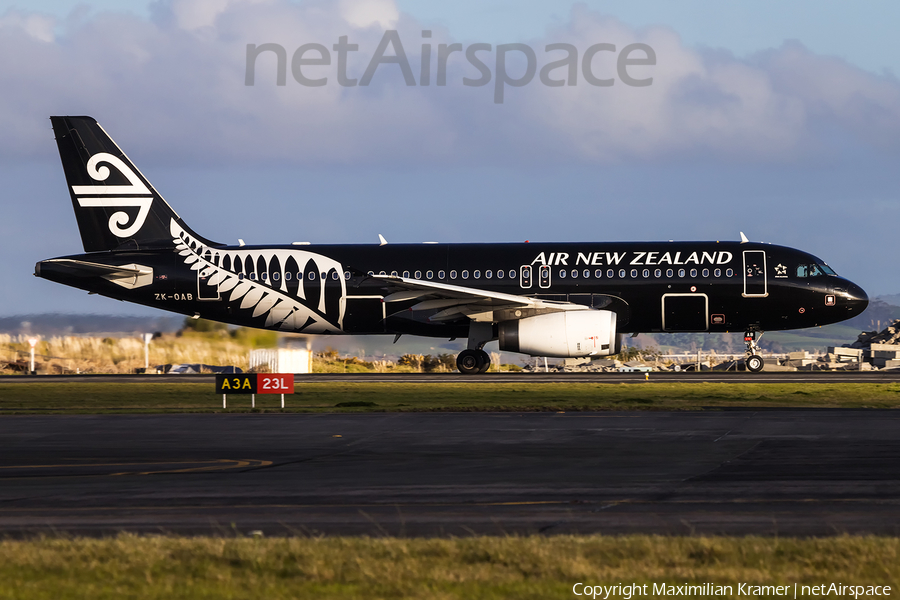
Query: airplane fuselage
(652, 287)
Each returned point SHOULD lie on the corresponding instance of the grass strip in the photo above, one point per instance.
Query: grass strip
(113, 397)
(130, 566)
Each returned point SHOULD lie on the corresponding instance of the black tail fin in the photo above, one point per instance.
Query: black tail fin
(115, 205)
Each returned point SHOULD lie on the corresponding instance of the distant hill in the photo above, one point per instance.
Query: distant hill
(61, 324)
(889, 299)
(877, 316)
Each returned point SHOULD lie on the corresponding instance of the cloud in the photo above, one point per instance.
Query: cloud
(176, 85)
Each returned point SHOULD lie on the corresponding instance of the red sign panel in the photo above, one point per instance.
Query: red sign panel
(275, 383)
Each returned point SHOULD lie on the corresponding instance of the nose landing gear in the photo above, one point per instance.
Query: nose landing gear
(754, 361)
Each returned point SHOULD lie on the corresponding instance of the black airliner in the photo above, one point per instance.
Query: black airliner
(540, 299)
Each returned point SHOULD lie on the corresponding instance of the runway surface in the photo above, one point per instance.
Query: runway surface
(787, 472)
(885, 376)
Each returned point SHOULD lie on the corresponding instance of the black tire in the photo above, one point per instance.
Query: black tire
(755, 363)
(486, 362)
(469, 362)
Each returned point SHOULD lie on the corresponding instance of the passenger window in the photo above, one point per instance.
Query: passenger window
(429, 274)
(418, 275)
(512, 273)
(574, 273)
(670, 273)
(717, 272)
(476, 274)
(488, 274)
(370, 274)
(347, 275)
(453, 274)
(657, 273)
(562, 273)
(499, 273)
(441, 275)
(634, 273)
(729, 272)
(406, 274)
(681, 272)
(621, 273)
(311, 275)
(252, 276)
(276, 276)
(610, 273)
(646, 273)
(240, 276)
(598, 273)
(706, 272)
(394, 274)
(465, 274)
(265, 276)
(693, 272)
(587, 273)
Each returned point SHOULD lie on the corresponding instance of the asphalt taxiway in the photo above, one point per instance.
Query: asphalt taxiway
(781, 472)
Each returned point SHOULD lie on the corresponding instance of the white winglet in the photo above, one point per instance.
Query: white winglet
(744, 239)
(240, 242)
(382, 240)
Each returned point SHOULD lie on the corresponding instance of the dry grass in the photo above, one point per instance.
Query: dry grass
(76, 354)
(71, 354)
(130, 566)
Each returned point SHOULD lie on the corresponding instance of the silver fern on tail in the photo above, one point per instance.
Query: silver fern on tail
(285, 306)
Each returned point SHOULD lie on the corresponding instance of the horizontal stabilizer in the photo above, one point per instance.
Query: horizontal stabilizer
(129, 276)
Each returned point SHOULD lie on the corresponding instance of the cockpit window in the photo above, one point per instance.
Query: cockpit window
(814, 270)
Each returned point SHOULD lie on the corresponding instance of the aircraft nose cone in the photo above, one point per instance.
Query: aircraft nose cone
(857, 299)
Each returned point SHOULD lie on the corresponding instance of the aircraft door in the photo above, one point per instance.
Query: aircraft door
(205, 291)
(755, 284)
(685, 312)
(525, 276)
(544, 276)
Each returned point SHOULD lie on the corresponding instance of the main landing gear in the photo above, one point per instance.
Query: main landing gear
(754, 361)
(470, 362)
(473, 359)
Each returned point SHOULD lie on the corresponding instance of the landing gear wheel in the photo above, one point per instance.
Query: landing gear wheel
(755, 363)
(470, 362)
(485, 360)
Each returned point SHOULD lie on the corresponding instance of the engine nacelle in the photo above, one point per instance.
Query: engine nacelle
(566, 334)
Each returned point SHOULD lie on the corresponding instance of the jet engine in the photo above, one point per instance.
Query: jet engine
(566, 334)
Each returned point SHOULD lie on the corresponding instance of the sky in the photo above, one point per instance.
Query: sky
(781, 120)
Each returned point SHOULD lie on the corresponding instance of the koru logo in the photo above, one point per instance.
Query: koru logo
(135, 194)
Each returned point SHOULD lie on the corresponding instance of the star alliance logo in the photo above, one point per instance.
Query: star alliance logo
(780, 271)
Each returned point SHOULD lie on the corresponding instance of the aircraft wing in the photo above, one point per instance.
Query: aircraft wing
(455, 301)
